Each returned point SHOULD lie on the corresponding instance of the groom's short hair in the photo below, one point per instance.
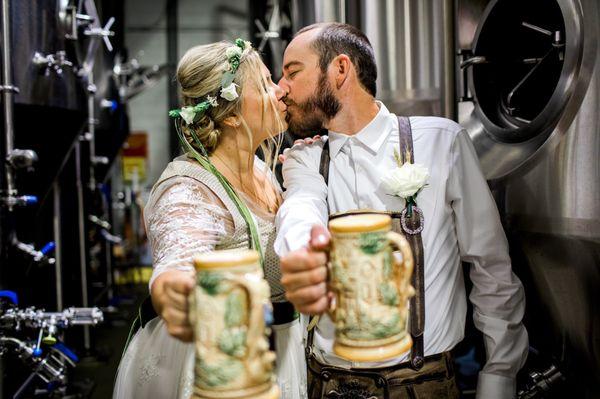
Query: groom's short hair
(335, 38)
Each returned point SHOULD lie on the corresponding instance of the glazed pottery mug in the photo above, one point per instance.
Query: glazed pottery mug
(371, 283)
(227, 310)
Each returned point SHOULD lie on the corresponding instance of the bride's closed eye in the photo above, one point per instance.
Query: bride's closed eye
(266, 85)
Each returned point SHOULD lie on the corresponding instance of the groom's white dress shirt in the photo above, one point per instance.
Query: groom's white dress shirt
(461, 224)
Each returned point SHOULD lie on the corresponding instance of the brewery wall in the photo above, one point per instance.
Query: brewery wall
(146, 38)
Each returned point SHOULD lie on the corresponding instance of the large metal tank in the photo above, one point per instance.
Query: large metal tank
(50, 106)
(533, 77)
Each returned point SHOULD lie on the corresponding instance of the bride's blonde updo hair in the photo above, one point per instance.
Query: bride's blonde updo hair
(199, 74)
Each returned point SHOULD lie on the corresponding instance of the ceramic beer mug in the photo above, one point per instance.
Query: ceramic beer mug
(371, 284)
(227, 312)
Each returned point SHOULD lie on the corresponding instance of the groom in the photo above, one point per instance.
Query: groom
(329, 78)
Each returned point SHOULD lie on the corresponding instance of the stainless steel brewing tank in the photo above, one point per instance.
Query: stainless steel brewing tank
(38, 31)
(526, 75)
(536, 129)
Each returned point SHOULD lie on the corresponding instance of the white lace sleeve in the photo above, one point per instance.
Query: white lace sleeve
(183, 218)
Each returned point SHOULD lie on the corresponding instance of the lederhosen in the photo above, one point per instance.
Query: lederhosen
(421, 376)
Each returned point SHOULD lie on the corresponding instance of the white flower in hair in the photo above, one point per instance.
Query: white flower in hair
(212, 100)
(233, 51)
(188, 114)
(229, 93)
(247, 45)
(406, 180)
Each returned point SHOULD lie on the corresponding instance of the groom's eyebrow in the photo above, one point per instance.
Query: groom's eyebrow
(291, 64)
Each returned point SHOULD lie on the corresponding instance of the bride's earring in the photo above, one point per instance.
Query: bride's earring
(232, 121)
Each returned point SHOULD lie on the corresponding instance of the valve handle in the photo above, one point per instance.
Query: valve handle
(49, 340)
(10, 295)
(49, 247)
(66, 351)
(37, 351)
(29, 199)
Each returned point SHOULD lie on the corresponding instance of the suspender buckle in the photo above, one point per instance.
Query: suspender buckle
(417, 362)
(412, 224)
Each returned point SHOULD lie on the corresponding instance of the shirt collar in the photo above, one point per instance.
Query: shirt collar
(372, 136)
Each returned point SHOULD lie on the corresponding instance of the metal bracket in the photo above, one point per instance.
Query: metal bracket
(11, 88)
(20, 159)
(52, 61)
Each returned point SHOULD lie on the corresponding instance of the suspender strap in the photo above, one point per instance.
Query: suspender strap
(413, 236)
(413, 222)
(406, 141)
(324, 166)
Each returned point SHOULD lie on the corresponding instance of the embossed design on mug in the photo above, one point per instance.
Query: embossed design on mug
(372, 287)
(228, 309)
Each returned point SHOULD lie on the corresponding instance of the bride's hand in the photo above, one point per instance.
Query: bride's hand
(170, 293)
(308, 140)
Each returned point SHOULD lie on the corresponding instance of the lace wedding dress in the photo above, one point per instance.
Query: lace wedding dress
(189, 212)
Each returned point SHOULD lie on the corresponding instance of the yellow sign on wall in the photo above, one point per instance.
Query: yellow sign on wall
(135, 157)
(134, 168)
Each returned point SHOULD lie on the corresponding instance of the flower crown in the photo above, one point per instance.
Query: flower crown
(192, 113)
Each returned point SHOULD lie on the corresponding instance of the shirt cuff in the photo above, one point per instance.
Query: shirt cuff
(492, 386)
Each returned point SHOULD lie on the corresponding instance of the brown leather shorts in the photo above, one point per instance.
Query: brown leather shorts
(434, 380)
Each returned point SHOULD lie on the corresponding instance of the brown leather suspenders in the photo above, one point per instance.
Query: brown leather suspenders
(410, 225)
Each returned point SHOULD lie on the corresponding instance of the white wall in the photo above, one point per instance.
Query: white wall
(199, 22)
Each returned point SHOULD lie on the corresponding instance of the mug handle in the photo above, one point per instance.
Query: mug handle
(333, 304)
(254, 314)
(398, 242)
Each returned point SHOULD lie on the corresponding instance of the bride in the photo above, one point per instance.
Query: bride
(218, 195)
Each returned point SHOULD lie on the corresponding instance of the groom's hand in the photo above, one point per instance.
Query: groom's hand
(304, 274)
(169, 294)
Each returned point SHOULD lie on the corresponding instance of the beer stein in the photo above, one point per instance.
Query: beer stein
(371, 283)
(227, 310)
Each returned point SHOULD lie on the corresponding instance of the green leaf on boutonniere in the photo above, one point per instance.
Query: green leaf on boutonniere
(397, 158)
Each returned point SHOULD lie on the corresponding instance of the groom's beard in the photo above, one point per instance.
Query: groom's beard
(306, 119)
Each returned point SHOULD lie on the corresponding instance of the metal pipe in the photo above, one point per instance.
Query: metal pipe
(448, 89)
(82, 239)
(342, 8)
(408, 56)
(109, 271)
(172, 59)
(473, 60)
(7, 89)
(91, 136)
(58, 251)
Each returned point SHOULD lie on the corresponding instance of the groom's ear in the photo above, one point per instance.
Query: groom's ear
(341, 68)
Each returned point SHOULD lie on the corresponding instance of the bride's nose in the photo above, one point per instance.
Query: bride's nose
(279, 92)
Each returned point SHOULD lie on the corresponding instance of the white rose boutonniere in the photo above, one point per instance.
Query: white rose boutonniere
(229, 93)
(188, 114)
(407, 180)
